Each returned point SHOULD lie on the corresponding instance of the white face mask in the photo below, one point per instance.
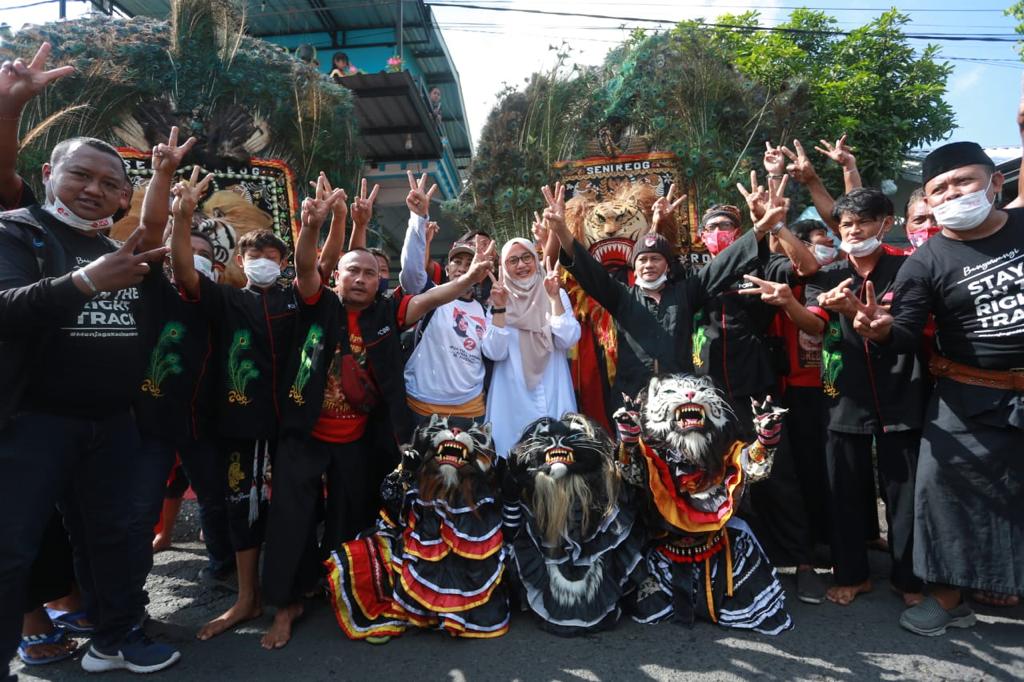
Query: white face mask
(861, 249)
(59, 210)
(204, 266)
(652, 285)
(824, 254)
(966, 212)
(261, 271)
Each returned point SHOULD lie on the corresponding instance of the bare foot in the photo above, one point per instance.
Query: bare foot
(912, 598)
(243, 610)
(41, 651)
(281, 629)
(161, 541)
(995, 599)
(845, 594)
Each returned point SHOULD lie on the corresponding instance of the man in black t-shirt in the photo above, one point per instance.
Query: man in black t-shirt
(71, 358)
(969, 521)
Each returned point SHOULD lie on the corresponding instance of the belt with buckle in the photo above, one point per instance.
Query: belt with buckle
(1006, 379)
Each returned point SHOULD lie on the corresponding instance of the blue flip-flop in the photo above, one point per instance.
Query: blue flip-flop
(68, 620)
(55, 637)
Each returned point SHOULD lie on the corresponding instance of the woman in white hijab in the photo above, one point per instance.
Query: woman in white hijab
(530, 329)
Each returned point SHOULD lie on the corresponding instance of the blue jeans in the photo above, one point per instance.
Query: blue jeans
(110, 495)
(206, 473)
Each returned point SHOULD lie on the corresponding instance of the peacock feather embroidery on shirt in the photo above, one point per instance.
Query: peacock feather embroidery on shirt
(831, 358)
(162, 362)
(310, 355)
(240, 371)
(699, 338)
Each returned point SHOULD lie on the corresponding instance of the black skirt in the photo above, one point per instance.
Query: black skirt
(969, 516)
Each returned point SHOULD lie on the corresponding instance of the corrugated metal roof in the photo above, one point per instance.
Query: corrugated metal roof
(423, 39)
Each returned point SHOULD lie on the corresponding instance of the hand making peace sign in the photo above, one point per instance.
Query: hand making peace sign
(665, 207)
(167, 157)
(362, 206)
(316, 208)
(20, 82)
(418, 199)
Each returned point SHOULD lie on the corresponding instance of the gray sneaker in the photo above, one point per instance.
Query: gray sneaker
(931, 620)
(810, 588)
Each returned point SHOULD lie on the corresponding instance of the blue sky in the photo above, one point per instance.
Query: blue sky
(493, 47)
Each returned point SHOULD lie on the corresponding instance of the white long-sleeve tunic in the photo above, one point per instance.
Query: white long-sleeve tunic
(510, 405)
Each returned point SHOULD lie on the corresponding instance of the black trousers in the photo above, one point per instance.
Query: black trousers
(848, 458)
(110, 503)
(53, 571)
(806, 429)
(249, 464)
(775, 506)
(292, 565)
(203, 469)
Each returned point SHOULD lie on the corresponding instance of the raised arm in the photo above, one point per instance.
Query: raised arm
(19, 83)
(156, 204)
(841, 153)
(804, 262)
(334, 245)
(314, 212)
(186, 198)
(422, 304)
(802, 170)
(413, 276)
(362, 213)
(590, 274)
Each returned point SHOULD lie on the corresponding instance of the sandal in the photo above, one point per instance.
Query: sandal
(997, 599)
(929, 618)
(71, 621)
(55, 637)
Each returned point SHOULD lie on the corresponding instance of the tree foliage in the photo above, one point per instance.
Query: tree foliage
(713, 96)
(198, 70)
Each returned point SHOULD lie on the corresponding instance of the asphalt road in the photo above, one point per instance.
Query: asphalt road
(861, 641)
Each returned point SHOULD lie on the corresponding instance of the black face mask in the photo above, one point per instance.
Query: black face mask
(382, 286)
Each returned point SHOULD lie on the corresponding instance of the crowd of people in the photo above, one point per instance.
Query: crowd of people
(286, 401)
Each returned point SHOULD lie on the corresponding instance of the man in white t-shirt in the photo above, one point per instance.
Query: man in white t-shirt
(445, 373)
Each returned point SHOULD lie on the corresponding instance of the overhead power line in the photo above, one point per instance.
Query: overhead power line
(985, 38)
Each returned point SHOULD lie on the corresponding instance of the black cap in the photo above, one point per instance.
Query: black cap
(652, 242)
(952, 156)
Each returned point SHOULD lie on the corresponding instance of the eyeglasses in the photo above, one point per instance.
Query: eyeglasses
(720, 225)
(525, 259)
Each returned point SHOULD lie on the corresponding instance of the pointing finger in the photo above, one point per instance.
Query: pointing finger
(788, 153)
(133, 240)
(152, 255)
(373, 193)
(42, 54)
(412, 180)
(799, 149)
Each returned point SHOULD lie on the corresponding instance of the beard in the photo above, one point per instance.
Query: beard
(554, 499)
(442, 481)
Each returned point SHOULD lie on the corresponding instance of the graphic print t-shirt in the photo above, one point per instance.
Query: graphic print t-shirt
(339, 422)
(447, 367)
(91, 364)
(975, 289)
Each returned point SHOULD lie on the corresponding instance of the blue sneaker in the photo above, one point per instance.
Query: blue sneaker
(136, 652)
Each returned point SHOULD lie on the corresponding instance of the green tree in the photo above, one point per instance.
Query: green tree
(869, 84)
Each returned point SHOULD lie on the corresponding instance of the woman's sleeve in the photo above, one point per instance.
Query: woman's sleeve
(565, 329)
(495, 342)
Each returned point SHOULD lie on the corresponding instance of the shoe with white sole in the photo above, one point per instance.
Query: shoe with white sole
(136, 653)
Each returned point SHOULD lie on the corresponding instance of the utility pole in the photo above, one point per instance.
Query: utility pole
(399, 32)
